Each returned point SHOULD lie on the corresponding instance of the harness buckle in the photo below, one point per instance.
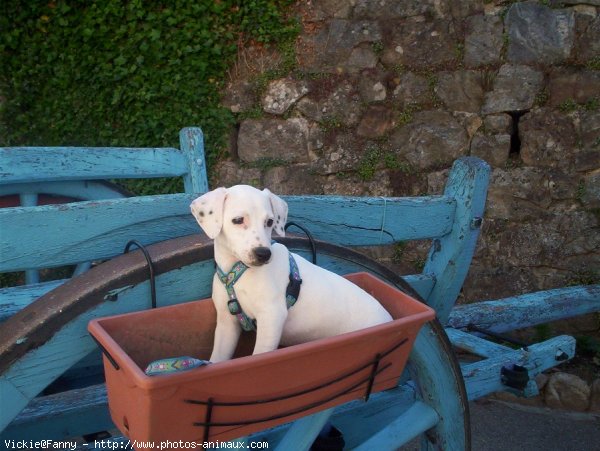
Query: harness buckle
(234, 306)
(293, 288)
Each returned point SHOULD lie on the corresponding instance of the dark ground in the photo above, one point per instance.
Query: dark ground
(500, 426)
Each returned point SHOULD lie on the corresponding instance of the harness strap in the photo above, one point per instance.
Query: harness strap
(293, 289)
(229, 279)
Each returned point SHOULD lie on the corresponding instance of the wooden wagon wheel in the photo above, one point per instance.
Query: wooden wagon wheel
(47, 337)
(50, 193)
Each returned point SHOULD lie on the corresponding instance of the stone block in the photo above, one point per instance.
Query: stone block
(567, 391)
(491, 148)
(527, 193)
(515, 89)
(483, 40)
(541, 380)
(354, 186)
(372, 87)
(549, 237)
(341, 106)
(332, 47)
(590, 197)
(587, 42)
(281, 94)
(459, 9)
(229, 173)
(436, 182)
(433, 138)
(326, 9)
(573, 85)
(498, 123)
(531, 243)
(538, 34)
(240, 96)
(419, 44)
(398, 9)
(548, 138)
(341, 154)
(412, 89)
(589, 125)
(274, 139)
(587, 158)
(579, 236)
(296, 179)
(362, 57)
(490, 277)
(376, 122)
(513, 194)
(407, 182)
(460, 90)
(472, 122)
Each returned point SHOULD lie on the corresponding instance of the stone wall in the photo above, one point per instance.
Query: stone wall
(384, 95)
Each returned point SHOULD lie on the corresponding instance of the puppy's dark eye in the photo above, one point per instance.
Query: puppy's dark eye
(269, 223)
(238, 221)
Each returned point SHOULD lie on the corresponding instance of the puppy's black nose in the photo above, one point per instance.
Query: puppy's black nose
(263, 254)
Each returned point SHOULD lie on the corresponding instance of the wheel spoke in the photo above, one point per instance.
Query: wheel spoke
(417, 419)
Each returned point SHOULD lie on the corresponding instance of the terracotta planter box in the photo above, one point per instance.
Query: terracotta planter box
(230, 399)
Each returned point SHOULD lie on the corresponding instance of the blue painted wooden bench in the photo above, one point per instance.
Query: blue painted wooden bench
(74, 173)
(43, 332)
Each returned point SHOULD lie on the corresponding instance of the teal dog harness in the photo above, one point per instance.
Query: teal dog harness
(229, 279)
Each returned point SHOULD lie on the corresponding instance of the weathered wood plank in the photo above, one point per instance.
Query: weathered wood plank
(56, 235)
(529, 309)
(32, 164)
(371, 221)
(450, 256)
(11, 396)
(62, 415)
(474, 344)
(422, 283)
(14, 299)
(417, 419)
(82, 190)
(79, 189)
(483, 378)
(302, 432)
(32, 276)
(191, 141)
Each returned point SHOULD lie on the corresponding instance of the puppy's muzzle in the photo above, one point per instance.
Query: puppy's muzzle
(262, 254)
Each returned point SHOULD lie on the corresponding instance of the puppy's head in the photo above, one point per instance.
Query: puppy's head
(242, 219)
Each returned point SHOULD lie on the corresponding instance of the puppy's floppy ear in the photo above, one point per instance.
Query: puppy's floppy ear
(280, 210)
(208, 211)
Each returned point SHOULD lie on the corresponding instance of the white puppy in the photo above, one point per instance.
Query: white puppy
(240, 219)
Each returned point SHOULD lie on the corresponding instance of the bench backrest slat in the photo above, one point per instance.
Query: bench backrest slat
(88, 190)
(32, 164)
(56, 235)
